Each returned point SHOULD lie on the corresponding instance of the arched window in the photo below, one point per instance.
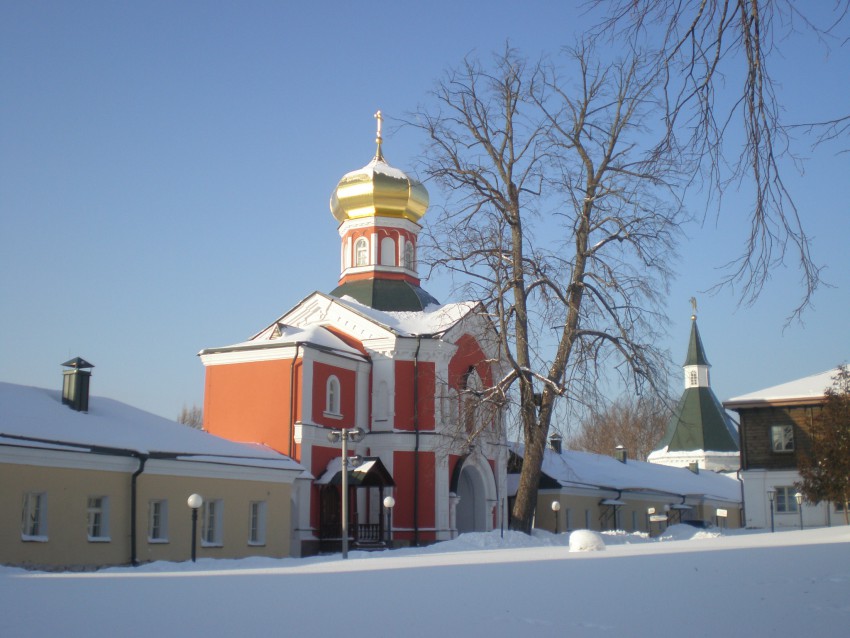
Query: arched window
(361, 252)
(409, 257)
(387, 252)
(332, 392)
(692, 378)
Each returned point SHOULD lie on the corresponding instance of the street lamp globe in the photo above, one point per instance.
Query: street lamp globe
(195, 501)
(389, 502)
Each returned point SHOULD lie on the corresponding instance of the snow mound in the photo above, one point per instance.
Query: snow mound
(684, 532)
(585, 540)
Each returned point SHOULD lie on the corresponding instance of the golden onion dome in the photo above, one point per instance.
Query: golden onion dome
(378, 189)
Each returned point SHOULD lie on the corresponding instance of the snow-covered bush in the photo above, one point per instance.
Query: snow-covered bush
(585, 540)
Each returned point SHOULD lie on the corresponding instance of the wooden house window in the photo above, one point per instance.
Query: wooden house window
(782, 438)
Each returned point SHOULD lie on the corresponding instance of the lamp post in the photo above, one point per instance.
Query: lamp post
(556, 507)
(771, 495)
(345, 434)
(799, 498)
(194, 502)
(389, 504)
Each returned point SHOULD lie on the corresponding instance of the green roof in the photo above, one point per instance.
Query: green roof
(386, 294)
(700, 423)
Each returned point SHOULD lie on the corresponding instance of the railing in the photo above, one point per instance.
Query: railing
(367, 533)
(363, 533)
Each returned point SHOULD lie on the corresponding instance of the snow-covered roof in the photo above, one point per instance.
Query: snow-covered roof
(36, 417)
(432, 320)
(807, 388)
(287, 335)
(585, 470)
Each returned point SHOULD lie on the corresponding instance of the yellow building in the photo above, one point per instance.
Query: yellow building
(110, 486)
(580, 490)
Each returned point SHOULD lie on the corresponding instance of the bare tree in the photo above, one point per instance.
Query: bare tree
(702, 46)
(193, 417)
(560, 222)
(636, 424)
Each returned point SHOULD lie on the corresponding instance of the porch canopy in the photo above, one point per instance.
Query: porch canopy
(366, 471)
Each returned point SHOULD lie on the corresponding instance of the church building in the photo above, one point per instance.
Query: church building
(700, 434)
(380, 354)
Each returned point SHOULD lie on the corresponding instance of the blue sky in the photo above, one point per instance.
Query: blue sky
(165, 169)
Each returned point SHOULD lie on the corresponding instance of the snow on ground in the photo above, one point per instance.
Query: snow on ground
(687, 583)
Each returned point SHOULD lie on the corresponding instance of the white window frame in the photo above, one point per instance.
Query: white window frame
(257, 523)
(786, 503)
(782, 439)
(361, 252)
(158, 521)
(97, 519)
(212, 532)
(34, 517)
(333, 397)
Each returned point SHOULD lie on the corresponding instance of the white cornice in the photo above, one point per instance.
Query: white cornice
(40, 457)
(378, 221)
(83, 460)
(262, 352)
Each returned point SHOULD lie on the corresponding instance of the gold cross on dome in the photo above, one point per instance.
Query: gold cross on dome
(379, 154)
(380, 119)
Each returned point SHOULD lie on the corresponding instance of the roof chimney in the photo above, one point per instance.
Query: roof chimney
(75, 384)
(555, 442)
(621, 454)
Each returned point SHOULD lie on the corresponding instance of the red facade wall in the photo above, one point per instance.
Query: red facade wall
(250, 402)
(424, 377)
(321, 456)
(403, 473)
(469, 354)
(347, 384)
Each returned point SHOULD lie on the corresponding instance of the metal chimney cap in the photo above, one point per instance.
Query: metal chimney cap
(78, 363)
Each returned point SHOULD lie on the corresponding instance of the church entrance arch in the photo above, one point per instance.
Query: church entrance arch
(475, 488)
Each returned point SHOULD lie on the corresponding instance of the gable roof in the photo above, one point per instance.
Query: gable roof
(586, 470)
(35, 417)
(431, 320)
(807, 390)
(369, 471)
(280, 335)
(316, 309)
